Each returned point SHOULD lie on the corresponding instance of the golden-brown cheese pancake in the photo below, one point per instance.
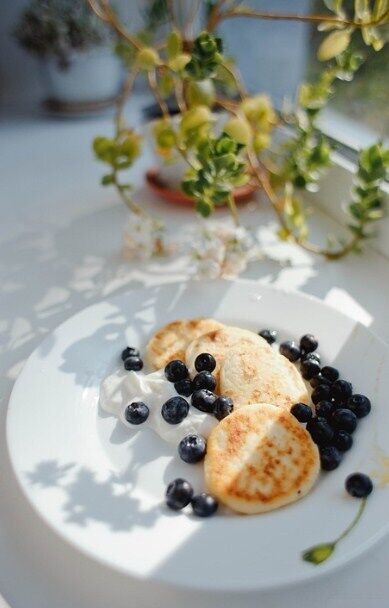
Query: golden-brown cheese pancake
(260, 458)
(256, 375)
(170, 342)
(219, 343)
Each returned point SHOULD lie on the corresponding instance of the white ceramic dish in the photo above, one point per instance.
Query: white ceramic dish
(102, 488)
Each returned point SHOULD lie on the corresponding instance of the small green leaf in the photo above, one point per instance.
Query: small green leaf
(204, 208)
(361, 9)
(108, 179)
(333, 44)
(173, 44)
(380, 8)
(319, 553)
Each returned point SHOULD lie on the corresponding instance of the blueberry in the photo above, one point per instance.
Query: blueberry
(137, 412)
(342, 440)
(205, 363)
(330, 458)
(175, 410)
(324, 409)
(179, 493)
(359, 404)
(176, 370)
(308, 343)
(192, 448)
(320, 431)
(359, 485)
(341, 391)
(204, 380)
(322, 392)
(204, 505)
(270, 335)
(223, 406)
(309, 368)
(344, 420)
(314, 356)
(301, 411)
(204, 400)
(319, 379)
(184, 387)
(290, 350)
(133, 364)
(129, 351)
(330, 373)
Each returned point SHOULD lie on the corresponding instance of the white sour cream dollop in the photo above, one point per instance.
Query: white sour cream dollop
(123, 387)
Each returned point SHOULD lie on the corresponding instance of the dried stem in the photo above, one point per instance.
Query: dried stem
(262, 179)
(122, 99)
(237, 79)
(152, 79)
(104, 11)
(217, 16)
(233, 210)
(172, 17)
(179, 93)
(189, 24)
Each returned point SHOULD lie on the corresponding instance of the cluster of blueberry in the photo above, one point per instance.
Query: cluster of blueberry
(201, 388)
(192, 448)
(337, 409)
(131, 359)
(180, 493)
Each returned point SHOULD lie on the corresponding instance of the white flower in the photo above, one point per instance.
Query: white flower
(222, 250)
(143, 238)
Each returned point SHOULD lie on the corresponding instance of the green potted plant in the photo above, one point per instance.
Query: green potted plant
(225, 153)
(79, 69)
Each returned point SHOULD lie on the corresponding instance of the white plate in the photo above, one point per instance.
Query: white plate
(102, 488)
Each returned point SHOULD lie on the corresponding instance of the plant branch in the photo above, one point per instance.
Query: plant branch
(171, 14)
(122, 99)
(104, 11)
(233, 210)
(263, 181)
(217, 17)
(152, 79)
(189, 24)
(237, 79)
(179, 94)
(126, 198)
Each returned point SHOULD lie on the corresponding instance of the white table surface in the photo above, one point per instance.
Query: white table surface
(60, 240)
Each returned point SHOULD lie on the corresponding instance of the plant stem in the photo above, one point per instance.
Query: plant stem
(354, 521)
(263, 181)
(172, 16)
(104, 11)
(217, 17)
(122, 99)
(126, 198)
(152, 79)
(237, 79)
(233, 210)
(193, 14)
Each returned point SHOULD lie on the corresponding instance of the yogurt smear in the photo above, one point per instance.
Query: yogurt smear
(123, 387)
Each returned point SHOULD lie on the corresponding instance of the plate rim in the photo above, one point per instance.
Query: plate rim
(155, 578)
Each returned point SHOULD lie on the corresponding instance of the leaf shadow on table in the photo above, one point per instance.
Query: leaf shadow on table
(87, 497)
(130, 319)
(56, 273)
(52, 272)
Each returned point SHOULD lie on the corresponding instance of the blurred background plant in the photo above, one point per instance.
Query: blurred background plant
(57, 28)
(284, 153)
